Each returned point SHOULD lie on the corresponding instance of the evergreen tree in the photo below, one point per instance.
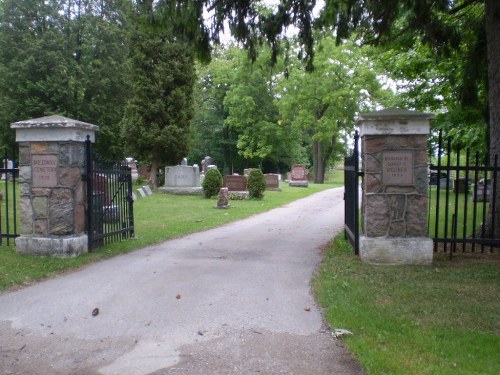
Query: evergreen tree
(155, 127)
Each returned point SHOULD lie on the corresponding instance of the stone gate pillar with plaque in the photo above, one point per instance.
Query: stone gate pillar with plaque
(52, 202)
(395, 187)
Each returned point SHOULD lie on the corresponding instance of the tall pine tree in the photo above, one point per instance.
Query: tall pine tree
(155, 127)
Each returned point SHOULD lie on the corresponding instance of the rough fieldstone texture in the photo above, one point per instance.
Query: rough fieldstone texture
(372, 183)
(69, 176)
(372, 164)
(72, 154)
(25, 189)
(39, 147)
(61, 212)
(40, 208)
(40, 192)
(389, 209)
(376, 215)
(80, 198)
(25, 174)
(79, 218)
(416, 220)
(24, 154)
(41, 227)
(26, 212)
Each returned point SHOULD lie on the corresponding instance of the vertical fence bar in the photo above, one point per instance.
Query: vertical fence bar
(493, 198)
(90, 204)
(131, 206)
(356, 194)
(438, 189)
(485, 206)
(447, 197)
(476, 199)
(457, 188)
(7, 212)
(466, 203)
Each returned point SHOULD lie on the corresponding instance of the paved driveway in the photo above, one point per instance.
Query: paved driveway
(232, 300)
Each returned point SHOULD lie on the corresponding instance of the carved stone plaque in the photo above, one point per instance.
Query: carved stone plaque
(44, 170)
(397, 167)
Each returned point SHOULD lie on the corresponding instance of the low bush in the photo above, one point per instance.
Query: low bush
(212, 183)
(256, 183)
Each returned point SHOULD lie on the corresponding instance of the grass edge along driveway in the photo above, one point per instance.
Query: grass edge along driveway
(439, 319)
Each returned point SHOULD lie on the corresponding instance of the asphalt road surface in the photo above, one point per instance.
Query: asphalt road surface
(232, 300)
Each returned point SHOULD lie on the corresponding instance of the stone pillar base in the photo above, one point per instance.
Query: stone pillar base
(64, 246)
(394, 251)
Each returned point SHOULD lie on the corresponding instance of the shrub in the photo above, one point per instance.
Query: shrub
(212, 183)
(256, 183)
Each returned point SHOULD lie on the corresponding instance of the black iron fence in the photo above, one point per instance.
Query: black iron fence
(110, 209)
(462, 200)
(8, 201)
(351, 195)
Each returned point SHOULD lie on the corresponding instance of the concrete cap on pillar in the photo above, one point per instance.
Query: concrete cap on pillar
(53, 128)
(394, 121)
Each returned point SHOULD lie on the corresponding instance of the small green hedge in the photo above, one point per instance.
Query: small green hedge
(256, 183)
(212, 183)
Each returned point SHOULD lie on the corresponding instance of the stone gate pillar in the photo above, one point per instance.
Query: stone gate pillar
(395, 187)
(51, 166)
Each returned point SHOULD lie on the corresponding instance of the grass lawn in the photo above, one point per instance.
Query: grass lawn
(443, 319)
(157, 218)
(456, 206)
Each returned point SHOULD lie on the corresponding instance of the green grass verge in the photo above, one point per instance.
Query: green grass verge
(455, 206)
(157, 218)
(443, 319)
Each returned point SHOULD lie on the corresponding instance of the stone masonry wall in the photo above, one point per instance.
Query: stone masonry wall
(57, 209)
(392, 210)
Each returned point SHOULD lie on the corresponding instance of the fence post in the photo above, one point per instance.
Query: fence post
(395, 187)
(53, 199)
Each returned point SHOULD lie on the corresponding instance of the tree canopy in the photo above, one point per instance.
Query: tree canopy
(64, 57)
(155, 126)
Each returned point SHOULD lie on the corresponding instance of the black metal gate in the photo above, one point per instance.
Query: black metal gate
(110, 209)
(8, 200)
(462, 200)
(351, 195)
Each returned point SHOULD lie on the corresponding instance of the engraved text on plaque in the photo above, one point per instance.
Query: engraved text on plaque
(397, 167)
(44, 170)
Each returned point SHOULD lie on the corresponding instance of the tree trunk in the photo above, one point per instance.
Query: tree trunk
(153, 174)
(318, 164)
(492, 24)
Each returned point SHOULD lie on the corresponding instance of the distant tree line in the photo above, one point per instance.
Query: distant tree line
(129, 67)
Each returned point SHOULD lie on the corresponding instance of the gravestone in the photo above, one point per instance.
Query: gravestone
(482, 190)
(272, 181)
(7, 164)
(182, 180)
(132, 163)
(52, 192)
(142, 192)
(147, 190)
(222, 199)
(237, 186)
(235, 183)
(298, 176)
(395, 187)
